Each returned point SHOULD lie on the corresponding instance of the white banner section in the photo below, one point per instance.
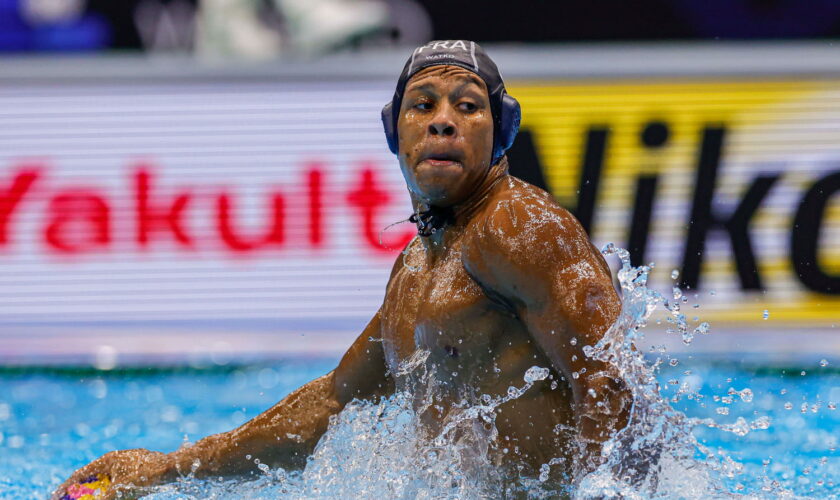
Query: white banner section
(242, 206)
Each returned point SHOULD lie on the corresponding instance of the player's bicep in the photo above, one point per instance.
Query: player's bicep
(362, 371)
(546, 267)
(581, 307)
(583, 292)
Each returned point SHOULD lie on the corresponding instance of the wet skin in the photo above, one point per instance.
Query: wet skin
(513, 283)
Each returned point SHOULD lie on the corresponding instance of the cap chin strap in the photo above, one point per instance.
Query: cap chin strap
(429, 221)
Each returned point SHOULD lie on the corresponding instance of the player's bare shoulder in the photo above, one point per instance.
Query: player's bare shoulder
(522, 219)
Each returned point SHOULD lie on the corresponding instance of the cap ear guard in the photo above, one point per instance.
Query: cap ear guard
(390, 127)
(511, 114)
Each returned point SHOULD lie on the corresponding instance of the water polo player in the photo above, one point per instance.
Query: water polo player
(499, 279)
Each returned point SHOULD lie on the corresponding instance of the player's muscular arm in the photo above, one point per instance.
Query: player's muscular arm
(282, 436)
(539, 258)
(287, 433)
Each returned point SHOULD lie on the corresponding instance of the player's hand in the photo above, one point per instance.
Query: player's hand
(118, 471)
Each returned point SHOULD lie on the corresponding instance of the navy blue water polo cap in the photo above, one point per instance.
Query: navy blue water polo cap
(470, 56)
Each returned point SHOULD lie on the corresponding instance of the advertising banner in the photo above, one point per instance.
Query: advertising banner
(732, 186)
(251, 205)
(196, 202)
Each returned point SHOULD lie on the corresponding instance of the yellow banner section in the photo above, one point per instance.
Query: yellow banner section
(734, 184)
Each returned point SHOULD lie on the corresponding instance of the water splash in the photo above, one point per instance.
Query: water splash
(383, 450)
(655, 455)
(380, 450)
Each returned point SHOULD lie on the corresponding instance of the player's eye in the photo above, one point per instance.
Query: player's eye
(423, 105)
(467, 106)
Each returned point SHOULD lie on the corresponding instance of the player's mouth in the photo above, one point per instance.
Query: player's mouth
(440, 159)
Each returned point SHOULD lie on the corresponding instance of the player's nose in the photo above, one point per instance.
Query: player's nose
(442, 123)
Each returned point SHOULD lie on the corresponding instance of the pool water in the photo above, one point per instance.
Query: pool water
(699, 427)
(55, 420)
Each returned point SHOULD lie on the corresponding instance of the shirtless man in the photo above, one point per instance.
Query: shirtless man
(499, 279)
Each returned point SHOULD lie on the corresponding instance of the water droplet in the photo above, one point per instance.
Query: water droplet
(722, 410)
(673, 362)
(536, 373)
(544, 470)
(575, 375)
(765, 314)
(823, 362)
(573, 341)
(761, 423)
(788, 406)
(703, 328)
(746, 395)
(740, 427)
(675, 274)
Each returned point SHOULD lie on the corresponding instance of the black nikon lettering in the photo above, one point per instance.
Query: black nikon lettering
(703, 219)
(805, 236)
(805, 233)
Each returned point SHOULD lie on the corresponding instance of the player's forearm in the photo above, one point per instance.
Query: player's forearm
(604, 409)
(283, 436)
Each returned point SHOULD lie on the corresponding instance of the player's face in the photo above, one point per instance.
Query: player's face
(445, 130)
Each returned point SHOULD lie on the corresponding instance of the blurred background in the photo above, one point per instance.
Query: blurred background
(207, 181)
(199, 212)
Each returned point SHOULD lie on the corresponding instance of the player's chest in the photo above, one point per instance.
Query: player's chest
(437, 307)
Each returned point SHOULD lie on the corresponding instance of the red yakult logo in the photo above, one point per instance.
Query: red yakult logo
(81, 219)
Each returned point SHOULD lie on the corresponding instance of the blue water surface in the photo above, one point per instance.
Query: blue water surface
(54, 420)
